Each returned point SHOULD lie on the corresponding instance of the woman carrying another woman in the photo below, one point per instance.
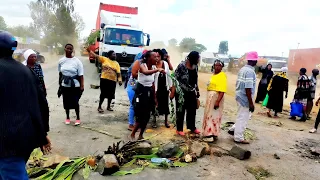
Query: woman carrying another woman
(144, 97)
(132, 78)
(71, 81)
(110, 75)
(278, 84)
(215, 100)
(267, 74)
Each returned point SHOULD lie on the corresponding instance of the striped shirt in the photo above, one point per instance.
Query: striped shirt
(246, 79)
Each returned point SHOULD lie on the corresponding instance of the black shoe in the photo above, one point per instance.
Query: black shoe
(231, 132)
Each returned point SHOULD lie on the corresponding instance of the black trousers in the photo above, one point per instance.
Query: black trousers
(316, 124)
(190, 107)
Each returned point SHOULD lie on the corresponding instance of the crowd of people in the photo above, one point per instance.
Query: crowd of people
(24, 110)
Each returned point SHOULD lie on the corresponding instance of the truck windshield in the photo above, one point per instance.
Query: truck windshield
(278, 64)
(123, 36)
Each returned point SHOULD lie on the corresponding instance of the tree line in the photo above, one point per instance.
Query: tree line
(54, 23)
(190, 44)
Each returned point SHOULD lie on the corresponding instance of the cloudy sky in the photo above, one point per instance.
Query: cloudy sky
(269, 26)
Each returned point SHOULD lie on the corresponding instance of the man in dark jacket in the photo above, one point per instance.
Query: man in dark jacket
(21, 127)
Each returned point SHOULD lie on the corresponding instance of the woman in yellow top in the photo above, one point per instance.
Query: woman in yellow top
(215, 100)
(110, 75)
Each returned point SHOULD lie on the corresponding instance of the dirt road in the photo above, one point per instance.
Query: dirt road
(76, 141)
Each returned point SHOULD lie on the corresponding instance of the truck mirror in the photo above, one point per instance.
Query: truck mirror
(102, 25)
(148, 40)
(98, 39)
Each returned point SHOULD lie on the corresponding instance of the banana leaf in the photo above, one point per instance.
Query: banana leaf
(132, 171)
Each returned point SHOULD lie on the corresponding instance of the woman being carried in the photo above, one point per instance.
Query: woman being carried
(215, 101)
(71, 82)
(110, 75)
(144, 97)
(277, 85)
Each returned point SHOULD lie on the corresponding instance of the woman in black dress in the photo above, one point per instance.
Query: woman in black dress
(267, 74)
(278, 85)
(163, 84)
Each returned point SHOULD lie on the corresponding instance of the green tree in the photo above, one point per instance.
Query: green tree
(24, 31)
(190, 44)
(54, 5)
(173, 42)
(57, 21)
(223, 47)
(3, 24)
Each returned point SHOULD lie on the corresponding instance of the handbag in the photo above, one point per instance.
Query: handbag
(264, 81)
(296, 109)
(265, 101)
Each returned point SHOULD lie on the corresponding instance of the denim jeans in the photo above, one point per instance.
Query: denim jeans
(13, 168)
(131, 93)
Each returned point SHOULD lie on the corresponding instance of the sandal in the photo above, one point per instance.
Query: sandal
(167, 125)
(109, 109)
(269, 115)
(242, 142)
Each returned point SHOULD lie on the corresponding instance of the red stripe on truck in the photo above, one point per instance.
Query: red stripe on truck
(118, 9)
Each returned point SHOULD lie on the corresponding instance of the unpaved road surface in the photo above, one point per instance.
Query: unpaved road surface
(285, 141)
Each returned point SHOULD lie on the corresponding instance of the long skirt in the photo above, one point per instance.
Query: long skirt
(143, 103)
(71, 96)
(262, 92)
(275, 101)
(212, 118)
(163, 101)
(107, 88)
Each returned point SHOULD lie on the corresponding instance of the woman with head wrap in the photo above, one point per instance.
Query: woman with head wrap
(217, 86)
(187, 76)
(267, 74)
(278, 84)
(31, 62)
(302, 92)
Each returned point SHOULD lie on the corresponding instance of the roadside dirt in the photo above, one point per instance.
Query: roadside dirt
(272, 137)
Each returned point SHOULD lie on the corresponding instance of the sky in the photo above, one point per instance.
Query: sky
(269, 27)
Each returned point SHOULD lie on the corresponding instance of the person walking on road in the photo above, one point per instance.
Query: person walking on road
(215, 101)
(144, 99)
(316, 123)
(187, 76)
(110, 75)
(71, 82)
(21, 126)
(313, 87)
(278, 84)
(245, 90)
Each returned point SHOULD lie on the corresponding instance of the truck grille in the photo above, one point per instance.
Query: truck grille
(125, 61)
